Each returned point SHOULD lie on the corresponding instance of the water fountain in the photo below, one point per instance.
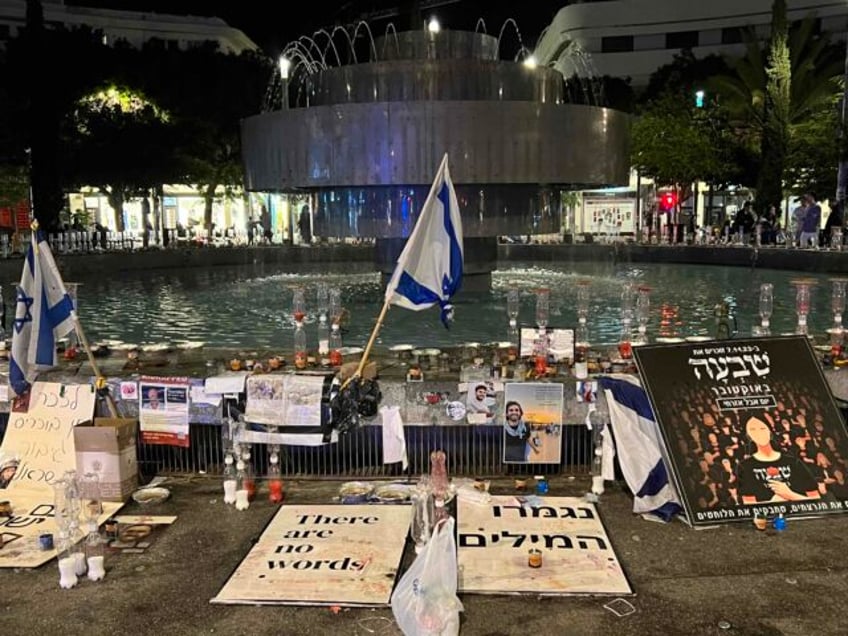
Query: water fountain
(361, 123)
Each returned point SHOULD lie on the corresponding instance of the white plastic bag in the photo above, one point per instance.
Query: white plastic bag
(424, 602)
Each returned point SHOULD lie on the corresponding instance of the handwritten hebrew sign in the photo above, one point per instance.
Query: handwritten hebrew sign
(494, 541)
(323, 555)
(43, 437)
(750, 427)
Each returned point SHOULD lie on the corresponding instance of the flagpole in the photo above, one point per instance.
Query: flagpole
(99, 380)
(359, 369)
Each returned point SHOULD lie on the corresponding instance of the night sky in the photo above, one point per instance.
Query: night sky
(273, 24)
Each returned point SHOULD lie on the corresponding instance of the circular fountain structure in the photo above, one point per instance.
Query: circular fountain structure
(365, 139)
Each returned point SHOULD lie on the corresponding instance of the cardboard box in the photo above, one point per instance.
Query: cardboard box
(107, 447)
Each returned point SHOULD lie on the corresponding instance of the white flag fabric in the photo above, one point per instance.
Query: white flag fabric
(394, 439)
(639, 447)
(429, 269)
(43, 314)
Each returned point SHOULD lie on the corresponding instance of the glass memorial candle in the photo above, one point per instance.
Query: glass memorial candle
(513, 304)
(837, 301)
(543, 307)
(766, 307)
(803, 293)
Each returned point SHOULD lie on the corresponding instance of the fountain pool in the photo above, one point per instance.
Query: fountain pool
(250, 307)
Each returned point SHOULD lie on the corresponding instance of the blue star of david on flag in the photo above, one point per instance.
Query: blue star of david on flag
(27, 315)
(44, 312)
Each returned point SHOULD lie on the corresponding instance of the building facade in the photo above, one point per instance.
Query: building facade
(134, 27)
(633, 38)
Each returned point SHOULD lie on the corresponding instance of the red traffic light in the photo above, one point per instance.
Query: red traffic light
(668, 201)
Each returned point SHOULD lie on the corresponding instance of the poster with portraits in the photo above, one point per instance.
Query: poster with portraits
(750, 427)
(532, 423)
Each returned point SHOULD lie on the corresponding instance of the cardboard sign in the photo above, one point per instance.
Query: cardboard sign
(750, 427)
(323, 555)
(42, 438)
(574, 553)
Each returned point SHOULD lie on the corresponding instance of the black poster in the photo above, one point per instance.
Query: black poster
(750, 427)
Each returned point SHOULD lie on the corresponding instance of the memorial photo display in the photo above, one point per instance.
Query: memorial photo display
(532, 423)
(750, 427)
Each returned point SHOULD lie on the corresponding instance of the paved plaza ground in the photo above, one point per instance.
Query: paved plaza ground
(729, 580)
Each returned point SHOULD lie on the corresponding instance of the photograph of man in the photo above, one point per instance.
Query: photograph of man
(153, 398)
(8, 469)
(478, 401)
(767, 474)
(519, 441)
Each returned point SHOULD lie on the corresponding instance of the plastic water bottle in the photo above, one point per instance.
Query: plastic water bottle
(275, 482)
(230, 480)
(242, 500)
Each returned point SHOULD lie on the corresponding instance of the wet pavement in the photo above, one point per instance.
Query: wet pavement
(729, 580)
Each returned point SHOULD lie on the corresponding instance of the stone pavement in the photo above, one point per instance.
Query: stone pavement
(731, 580)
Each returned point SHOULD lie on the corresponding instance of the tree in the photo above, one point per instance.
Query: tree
(207, 93)
(677, 144)
(117, 140)
(47, 70)
(813, 151)
(776, 113)
(771, 91)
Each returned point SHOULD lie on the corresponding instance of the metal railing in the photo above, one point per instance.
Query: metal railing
(472, 451)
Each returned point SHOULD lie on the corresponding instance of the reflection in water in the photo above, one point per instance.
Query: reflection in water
(250, 307)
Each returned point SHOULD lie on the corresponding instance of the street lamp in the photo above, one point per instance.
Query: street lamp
(433, 25)
(530, 61)
(285, 66)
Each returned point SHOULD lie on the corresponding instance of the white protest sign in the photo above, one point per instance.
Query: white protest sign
(43, 437)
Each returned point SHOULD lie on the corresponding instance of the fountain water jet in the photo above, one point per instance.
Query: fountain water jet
(373, 49)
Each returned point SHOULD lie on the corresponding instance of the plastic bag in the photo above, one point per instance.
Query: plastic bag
(424, 602)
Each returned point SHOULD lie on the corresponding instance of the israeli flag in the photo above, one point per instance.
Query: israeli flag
(429, 269)
(44, 312)
(639, 447)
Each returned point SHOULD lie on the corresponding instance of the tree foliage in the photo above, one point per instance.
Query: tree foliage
(207, 93)
(772, 91)
(117, 141)
(46, 71)
(676, 143)
(46, 75)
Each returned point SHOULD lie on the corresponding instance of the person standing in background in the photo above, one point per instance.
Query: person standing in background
(798, 219)
(304, 223)
(812, 221)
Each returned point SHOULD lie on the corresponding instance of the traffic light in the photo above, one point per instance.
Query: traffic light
(668, 201)
(699, 98)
